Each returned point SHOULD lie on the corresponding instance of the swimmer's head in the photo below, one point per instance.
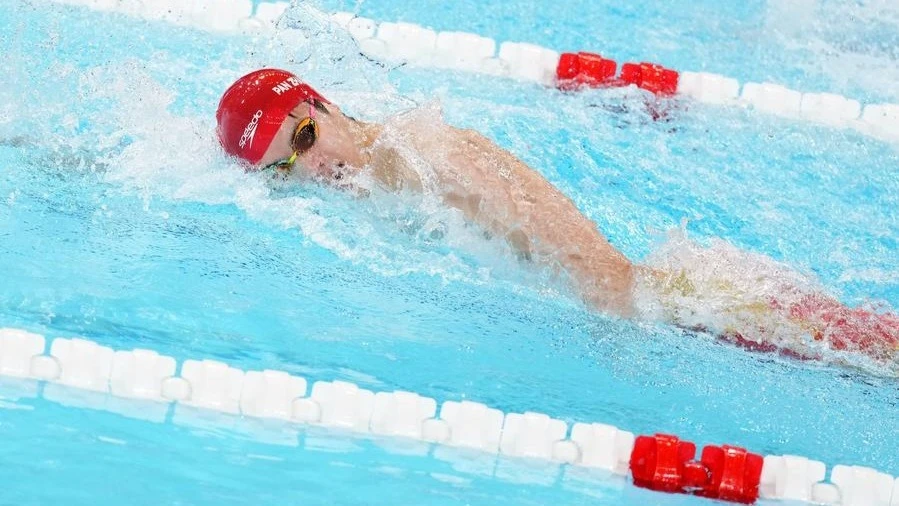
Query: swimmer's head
(264, 117)
(253, 109)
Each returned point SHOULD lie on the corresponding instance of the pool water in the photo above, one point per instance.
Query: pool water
(832, 46)
(120, 221)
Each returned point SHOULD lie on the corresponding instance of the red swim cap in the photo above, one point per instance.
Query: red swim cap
(252, 109)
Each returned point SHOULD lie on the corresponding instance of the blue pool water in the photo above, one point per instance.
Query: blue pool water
(121, 222)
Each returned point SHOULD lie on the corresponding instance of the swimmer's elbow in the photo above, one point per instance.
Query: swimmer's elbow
(612, 291)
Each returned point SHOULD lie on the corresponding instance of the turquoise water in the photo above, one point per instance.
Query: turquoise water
(120, 222)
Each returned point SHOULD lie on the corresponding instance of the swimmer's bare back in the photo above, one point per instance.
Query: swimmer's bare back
(507, 198)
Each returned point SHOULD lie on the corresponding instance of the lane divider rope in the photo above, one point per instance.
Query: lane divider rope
(659, 462)
(423, 47)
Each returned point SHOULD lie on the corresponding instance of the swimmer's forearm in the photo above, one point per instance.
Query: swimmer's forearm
(545, 223)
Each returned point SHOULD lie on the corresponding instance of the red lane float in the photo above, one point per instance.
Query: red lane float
(651, 77)
(665, 463)
(590, 69)
(734, 473)
(657, 462)
(584, 69)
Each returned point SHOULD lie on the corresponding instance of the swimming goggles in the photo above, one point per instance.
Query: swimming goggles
(304, 136)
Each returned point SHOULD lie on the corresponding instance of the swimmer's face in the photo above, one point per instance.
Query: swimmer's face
(335, 152)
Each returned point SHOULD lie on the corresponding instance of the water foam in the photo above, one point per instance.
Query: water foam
(853, 43)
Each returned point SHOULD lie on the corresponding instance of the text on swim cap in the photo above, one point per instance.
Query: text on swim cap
(250, 131)
(287, 84)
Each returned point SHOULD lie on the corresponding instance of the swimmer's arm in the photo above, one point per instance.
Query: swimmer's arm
(392, 172)
(555, 228)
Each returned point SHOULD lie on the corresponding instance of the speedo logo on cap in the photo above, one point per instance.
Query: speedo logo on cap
(286, 85)
(250, 131)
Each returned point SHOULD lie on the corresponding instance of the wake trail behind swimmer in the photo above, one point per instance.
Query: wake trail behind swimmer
(271, 120)
(758, 303)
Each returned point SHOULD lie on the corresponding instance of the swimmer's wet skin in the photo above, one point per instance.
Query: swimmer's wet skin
(269, 119)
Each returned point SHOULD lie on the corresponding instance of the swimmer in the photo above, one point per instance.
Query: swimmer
(272, 121)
